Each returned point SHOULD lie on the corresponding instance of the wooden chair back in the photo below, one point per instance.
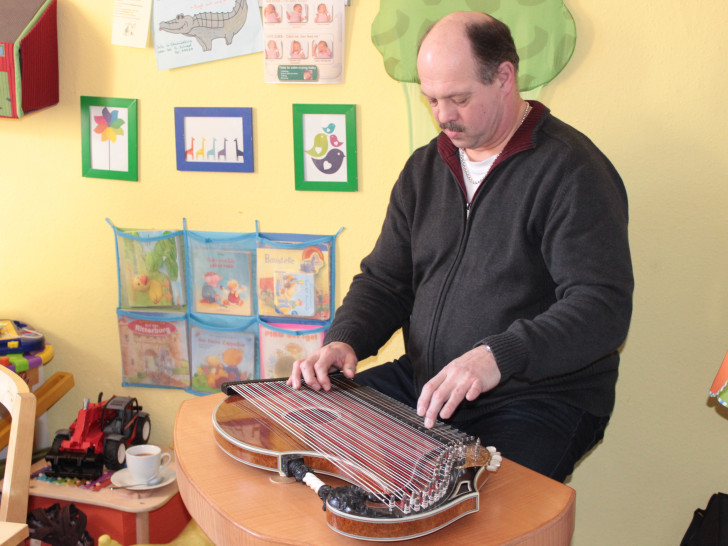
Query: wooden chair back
(15, 395)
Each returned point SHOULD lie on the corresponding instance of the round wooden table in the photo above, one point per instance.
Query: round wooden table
(238, 504)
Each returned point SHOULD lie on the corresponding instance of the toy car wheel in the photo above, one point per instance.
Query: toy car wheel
(114, 453)
(143, 429)
(61, 436)
(55, 450)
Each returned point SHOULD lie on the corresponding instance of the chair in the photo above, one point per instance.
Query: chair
(15, 395)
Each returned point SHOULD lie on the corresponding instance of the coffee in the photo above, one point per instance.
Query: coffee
(146, 461)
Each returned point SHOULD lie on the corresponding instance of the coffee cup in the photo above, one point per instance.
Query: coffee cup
(145, 461)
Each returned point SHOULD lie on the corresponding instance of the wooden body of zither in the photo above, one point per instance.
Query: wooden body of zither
(407, 481)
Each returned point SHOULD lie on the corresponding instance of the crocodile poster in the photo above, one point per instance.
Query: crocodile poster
(304, 41)
(197, 31)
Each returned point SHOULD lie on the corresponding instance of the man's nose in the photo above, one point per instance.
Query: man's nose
(445, 113)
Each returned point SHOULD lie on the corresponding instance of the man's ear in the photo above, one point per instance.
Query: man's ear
(506, 76)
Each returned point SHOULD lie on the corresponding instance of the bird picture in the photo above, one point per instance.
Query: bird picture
(320, 146)
(331, 162)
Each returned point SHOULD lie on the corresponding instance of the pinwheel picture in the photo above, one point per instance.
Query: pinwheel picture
(108, 126)
(109, 137)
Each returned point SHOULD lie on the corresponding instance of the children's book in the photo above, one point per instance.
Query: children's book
(220, 356)
(294, 294)
(279, 350)
(294, 282)
(154, 352)
(151, 273)
(222, 281)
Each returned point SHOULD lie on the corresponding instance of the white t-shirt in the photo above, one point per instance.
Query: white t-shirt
(477, 171)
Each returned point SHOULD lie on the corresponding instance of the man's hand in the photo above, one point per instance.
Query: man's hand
(466, 377)
(315, 369)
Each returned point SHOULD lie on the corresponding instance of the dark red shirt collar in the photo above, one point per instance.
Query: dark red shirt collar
(521, 140)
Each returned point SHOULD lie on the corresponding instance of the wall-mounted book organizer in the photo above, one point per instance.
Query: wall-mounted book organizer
(198, 308)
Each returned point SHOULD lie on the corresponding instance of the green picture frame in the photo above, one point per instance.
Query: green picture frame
(109, 138)
(324, 147)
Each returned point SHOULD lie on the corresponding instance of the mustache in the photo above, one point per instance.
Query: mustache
(452, 126)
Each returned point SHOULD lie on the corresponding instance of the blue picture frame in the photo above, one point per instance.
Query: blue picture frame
(214, 139)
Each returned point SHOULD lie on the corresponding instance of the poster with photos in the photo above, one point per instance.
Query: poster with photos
(303, 41)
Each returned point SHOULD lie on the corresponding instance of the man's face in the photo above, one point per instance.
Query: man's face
(467, 110)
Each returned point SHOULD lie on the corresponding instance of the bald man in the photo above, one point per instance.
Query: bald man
(503, 256)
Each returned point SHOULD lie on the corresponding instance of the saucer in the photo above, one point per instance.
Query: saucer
(123, 478)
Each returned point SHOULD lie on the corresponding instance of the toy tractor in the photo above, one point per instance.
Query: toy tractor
(98, 437)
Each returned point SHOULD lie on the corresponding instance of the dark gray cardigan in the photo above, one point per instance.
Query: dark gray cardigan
(539, 268)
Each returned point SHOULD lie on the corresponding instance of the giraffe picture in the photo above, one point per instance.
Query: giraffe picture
(214, 139)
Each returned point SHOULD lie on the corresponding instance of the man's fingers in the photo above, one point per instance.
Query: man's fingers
(442, 395)
(349, 368)
(473, 392)
(456, 396)
(294, 380)
(431, 400)
(423, 403)
(310, 374)
(315, 369)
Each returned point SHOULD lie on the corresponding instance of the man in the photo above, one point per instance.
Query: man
(504, 256)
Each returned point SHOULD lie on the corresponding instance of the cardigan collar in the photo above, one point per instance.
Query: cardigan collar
(521, 140)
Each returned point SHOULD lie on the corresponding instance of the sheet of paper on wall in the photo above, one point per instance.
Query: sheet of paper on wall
(190, 32)
(130, 26)
(304, 41)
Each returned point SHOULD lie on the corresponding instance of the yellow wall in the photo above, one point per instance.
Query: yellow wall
(645, 83)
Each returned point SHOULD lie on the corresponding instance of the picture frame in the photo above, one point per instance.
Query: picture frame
(109, 138)
(324, 147)
(229, 131)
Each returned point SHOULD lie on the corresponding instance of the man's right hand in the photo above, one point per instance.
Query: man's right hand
(315, 369)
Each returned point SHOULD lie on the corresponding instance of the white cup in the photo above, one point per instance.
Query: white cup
(144, 461)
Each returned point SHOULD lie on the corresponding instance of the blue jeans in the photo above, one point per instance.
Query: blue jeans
(545, 435)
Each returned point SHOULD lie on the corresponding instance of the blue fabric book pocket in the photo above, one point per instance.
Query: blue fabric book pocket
(221, 272)
(281, 344)
(154, 349)
(295, 276)
(221, 349)
(151, 273)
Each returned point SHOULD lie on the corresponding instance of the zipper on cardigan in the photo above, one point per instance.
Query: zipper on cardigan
(442, 295)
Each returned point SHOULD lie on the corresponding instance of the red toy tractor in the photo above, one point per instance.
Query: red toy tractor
(98, 437)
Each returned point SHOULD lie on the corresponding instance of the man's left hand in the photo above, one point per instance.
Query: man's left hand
(466, 377)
